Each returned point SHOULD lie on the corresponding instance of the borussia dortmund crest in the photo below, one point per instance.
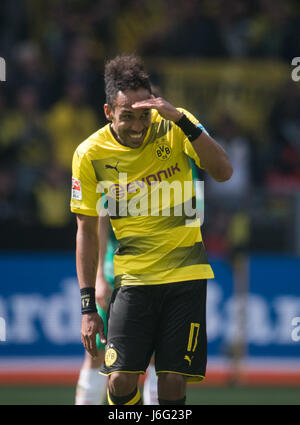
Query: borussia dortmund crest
(110, 356)
(162, 151)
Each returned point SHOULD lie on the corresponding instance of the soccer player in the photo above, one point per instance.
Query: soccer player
(161, 268)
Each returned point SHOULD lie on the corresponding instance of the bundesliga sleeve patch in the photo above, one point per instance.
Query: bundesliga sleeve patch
(76, 189)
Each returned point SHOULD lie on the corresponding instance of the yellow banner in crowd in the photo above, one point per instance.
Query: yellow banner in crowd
(246, 90)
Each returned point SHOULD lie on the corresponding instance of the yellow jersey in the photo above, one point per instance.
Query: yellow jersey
(151, 201)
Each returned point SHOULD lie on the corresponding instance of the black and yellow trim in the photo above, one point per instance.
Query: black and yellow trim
(130, 400)
(139, 372)
(189, 378)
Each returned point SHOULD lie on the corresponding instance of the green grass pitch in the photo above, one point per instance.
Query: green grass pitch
(230, 395)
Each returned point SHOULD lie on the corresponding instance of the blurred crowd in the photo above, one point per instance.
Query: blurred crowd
(55, 52)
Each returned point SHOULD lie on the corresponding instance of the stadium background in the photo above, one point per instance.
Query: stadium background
(229, 63)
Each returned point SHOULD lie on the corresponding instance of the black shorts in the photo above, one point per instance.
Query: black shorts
(168, 319)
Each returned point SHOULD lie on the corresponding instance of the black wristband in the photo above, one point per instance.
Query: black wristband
(190, 129)
(88, 302)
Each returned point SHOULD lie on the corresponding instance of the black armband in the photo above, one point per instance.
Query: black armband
(191, 130)
(88, 302)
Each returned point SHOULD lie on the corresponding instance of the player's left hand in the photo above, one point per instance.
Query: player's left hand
(165, 109)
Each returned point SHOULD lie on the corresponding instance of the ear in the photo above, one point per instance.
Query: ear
(108, 112)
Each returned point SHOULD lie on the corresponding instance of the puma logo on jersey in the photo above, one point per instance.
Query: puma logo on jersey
(107, 166)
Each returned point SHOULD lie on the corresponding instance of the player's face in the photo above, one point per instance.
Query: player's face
(129, 125)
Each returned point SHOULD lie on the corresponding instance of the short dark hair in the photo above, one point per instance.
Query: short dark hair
(124, 73)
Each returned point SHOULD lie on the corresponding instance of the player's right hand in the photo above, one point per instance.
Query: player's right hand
(91, 325)
(164, 108)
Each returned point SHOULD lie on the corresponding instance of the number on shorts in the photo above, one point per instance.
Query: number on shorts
(193, 337)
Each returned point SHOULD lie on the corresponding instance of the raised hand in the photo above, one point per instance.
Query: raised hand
(165, 109)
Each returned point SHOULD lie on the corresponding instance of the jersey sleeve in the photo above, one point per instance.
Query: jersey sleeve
(84, 196)
(187, 145)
